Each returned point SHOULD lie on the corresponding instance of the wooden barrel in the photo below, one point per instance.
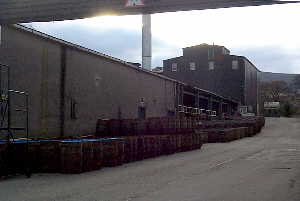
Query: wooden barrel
(71, 156)
(110, 152)
(98, 154)
(3, 158)
(102, 128)
(92, 155)
(49, 156)
(121, 151)
(17, 156)
(140, 148)
(34, 151)
(179, 143)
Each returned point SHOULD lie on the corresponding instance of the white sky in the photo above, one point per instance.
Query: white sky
(267, 35)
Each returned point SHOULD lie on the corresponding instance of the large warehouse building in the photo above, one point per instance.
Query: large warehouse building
(212, 68)
(70, 87)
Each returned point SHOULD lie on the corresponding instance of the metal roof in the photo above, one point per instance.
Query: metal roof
(17, 11)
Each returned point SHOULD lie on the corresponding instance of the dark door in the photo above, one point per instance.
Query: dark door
(142, 113)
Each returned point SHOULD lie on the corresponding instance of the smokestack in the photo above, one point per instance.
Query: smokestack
(147, 42)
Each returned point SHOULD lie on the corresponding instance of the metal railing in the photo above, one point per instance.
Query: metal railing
(195, 111)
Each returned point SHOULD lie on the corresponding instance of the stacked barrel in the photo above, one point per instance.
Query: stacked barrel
(176, 133)
(3, 148)
(113, 152)
(64, 156)
(123, 141)
(49, 150)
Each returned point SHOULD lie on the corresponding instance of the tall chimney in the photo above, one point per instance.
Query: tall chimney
(147, 42)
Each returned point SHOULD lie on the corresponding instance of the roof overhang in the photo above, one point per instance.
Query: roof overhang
(20, 11)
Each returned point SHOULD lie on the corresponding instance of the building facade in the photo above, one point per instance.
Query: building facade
(70, 87)
(212, 68)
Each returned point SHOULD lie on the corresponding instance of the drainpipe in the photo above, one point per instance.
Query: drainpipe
(63, 65)
(0, 36)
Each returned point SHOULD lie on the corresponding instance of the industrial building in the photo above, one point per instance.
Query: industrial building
(211, 67)
(70, 87)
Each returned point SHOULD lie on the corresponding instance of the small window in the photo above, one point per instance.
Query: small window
(174, 67)
(73, 109)
(235, 65)
(211, 52)
(208, 54)
(192, 66)
(211, 65)
(250, 108)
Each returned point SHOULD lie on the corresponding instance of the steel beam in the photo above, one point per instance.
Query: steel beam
(17, 11)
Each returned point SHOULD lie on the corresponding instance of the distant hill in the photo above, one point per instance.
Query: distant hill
(288, 78)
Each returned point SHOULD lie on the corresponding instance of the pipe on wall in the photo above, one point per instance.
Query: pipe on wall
(63, 68)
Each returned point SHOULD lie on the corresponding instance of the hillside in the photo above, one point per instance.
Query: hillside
(268, 76)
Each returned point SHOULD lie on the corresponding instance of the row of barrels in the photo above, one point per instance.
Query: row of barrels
(143, 147)
(226, 135)
(83, 155)
(222, 135)
(169, 125)
(64, 156)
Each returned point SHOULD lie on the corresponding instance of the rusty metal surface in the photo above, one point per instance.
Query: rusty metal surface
(17, 11)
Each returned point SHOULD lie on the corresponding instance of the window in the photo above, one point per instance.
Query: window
(250, 108)
(192, 66)
(211, 65)
(73, 109)
(208, 54)
(235, 65)
(174, 67)
(211, 53)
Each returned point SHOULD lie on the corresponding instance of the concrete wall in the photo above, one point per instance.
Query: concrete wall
(35, 68)
(100, 87)
(106, 89)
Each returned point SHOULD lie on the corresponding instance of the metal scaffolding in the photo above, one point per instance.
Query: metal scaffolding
(14, 115)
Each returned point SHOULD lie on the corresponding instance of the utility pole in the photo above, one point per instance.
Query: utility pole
(147, 42)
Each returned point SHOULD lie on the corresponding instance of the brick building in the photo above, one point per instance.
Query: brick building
(212, 68)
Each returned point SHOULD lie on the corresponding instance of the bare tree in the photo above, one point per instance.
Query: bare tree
(273, 91)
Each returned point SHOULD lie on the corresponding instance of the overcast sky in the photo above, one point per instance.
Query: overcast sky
(269, 36)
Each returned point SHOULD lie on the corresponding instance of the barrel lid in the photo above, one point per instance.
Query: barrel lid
(71, 141)
(91, 140)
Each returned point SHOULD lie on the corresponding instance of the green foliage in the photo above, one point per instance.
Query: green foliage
(287, 109)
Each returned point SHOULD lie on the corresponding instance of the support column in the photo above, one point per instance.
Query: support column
(147, 42)
(220, 107)
(197, 104)
(210, 103)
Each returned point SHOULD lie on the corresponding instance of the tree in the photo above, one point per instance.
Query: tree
(287, 109)
(296, 82)
(274, 90)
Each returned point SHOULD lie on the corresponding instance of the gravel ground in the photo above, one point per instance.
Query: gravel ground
(261, 168)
